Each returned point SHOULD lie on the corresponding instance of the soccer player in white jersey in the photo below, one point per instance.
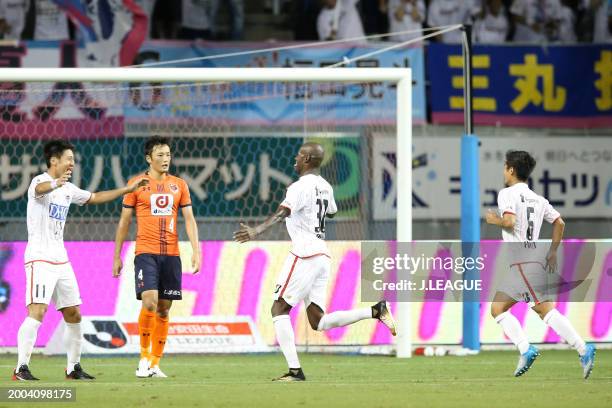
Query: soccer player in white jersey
(49, 275)
(523, 212)
(305, 273)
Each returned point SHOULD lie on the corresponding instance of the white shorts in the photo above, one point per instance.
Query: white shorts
(529, 282)
(304, 279)
(47, 282)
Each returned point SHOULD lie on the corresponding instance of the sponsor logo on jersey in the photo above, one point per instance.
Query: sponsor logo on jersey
(174, 188)
(161, 204)
(58, 212)
(172, 292)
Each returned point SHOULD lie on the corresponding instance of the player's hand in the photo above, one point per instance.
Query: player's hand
(63, 179)
(551, 262)
(117, 266)
(245, 233)
(136, 184)
(492, 217)
(195, 262)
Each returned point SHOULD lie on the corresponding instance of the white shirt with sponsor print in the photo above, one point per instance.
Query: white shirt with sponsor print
(343, 19)
(407, 22)
(13, 12)
(491, 29)
(309, 199)
(46, 218)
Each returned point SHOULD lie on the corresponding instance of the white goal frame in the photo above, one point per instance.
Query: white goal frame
(400, 76)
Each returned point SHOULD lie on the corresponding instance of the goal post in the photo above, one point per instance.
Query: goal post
(401, 77)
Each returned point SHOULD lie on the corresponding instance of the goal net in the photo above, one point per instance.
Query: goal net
(235, 134)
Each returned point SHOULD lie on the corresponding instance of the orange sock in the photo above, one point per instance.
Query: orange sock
(146, 322)
(160, 333)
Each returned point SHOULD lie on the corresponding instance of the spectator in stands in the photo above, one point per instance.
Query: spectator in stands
(405, 15)
(12, 18)
(374, 16)
(536, 20)
(51, 23)
(449, 12)
(600, 15)
(338, 20)
(492, 25)
(236, 8)
(567, 22)
(195, 20)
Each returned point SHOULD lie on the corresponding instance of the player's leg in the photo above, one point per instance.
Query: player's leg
(286, 340)
(169, 289)
(500, 310)
(160, 334)
(40, 284)
(67, 300)
(146, 284)
(564, 328)
(320, 321)
(292, 285)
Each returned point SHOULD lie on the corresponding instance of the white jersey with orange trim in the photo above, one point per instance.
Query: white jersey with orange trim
(530, 209)
(309, 199)
(46, 217)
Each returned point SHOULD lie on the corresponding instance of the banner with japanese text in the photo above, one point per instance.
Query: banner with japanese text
(574, 177)
(226, 174)
(276, 104)
(552, 86)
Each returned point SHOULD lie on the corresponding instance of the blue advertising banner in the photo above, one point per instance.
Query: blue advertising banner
(555, 86)
(280, 104)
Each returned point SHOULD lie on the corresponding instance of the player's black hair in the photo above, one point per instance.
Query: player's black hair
(155, 141)
(522, 163)
(55, 148)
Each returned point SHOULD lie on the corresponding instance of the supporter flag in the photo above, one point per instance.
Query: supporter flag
(112, 31)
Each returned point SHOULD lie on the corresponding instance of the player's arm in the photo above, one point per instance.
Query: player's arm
(246, 233)
(191, 227)
(120, 236)
(48, 186)
(557, 236)
(505, 222)
(110, 195)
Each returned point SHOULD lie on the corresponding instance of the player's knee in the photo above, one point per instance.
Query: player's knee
(497, 309)
(280, 308)
(163, 313)
(314, 323)
(37, 312)
(72, 315)
(149, 304)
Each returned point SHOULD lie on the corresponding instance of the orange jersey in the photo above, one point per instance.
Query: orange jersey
(157, 207)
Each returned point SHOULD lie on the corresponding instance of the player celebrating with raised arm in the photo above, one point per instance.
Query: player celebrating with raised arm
(523, 212)
(157, 264)
(305, 273)
(49, 275)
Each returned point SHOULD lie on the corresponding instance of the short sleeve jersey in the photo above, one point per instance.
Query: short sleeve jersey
(156, 207)
(530, 209)
(309, 199)
(46, 218)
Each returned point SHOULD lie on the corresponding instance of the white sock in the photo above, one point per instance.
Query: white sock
(562, 326)
(512, 328)
(72, 342)
(343, 318)
(26, 337)
(286, 339)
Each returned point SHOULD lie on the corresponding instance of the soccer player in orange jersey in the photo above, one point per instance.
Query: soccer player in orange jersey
(157, 264)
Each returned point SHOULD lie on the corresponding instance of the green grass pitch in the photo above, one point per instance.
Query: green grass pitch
(485, 380)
